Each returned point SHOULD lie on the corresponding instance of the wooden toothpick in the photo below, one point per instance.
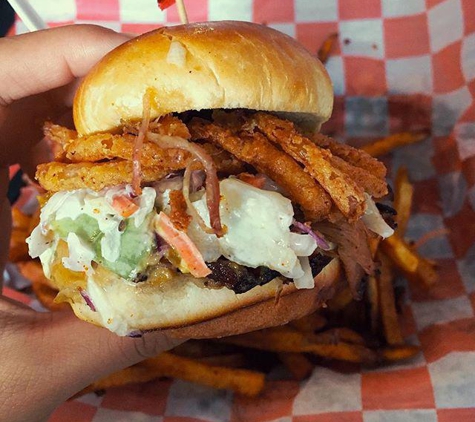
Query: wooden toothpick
(180, 4)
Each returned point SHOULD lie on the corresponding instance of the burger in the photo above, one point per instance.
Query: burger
(196, 195)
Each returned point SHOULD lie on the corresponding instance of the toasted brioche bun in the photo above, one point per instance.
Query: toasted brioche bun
(226, 65)
(185, 307)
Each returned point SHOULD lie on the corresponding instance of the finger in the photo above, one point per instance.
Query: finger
(41, 61)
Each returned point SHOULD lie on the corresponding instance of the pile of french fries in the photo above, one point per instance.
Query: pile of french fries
(365, 333)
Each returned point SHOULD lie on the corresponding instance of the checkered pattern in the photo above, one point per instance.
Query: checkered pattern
(399, 65)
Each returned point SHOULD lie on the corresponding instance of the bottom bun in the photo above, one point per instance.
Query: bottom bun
(186, 307)
(269, 313)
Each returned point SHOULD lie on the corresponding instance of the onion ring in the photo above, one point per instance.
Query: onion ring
(56, 176)
(257, 151)
(345, 193)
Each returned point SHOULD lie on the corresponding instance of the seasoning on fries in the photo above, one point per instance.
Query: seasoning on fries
(282, 339)
(241, 381)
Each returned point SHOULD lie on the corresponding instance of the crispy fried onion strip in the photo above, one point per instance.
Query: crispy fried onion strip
(178, 210)
(105, 146)
(373, 185)
(346, 194)
(138, 144)
(212, 182)
(257, 151)
(61, 176)
(354, 156)
(154, 160)
(164, 125)
(225, 162)
(59, 136)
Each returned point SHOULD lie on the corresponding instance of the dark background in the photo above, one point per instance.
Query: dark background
(7, 17)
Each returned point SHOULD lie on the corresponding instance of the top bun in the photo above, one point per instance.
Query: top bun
(201, 66)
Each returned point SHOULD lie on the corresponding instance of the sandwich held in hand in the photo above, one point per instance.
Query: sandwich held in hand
(196, 194)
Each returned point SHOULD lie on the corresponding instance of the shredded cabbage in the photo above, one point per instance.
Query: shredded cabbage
(374, 221)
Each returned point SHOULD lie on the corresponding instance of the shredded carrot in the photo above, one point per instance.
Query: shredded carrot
(124, 205)
(182, 244)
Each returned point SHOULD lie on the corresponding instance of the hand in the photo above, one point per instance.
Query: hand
(47, 357)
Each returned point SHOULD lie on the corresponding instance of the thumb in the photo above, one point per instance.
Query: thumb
(52, 356)
(89, 352)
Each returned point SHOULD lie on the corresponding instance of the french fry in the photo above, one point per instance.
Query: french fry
(426, 273)
(20, 220)
(45, 294)
(196, 349)
(309, 323)
(283, 339)
(414, 267)
(34, 220)
(33, 271)
(20, 231)
(298, 365)
(401, 254)
(241, 381)
(326, 47)
(386, 145)
(372, 295)
(389, 318)
(341, 300)
(18, 247)
(235, 360)
(374, 242)
(403, 195)
(131, 375)
(337, 335)
(397, 353)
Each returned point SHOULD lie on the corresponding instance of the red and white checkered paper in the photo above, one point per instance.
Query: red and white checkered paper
(399, 65)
